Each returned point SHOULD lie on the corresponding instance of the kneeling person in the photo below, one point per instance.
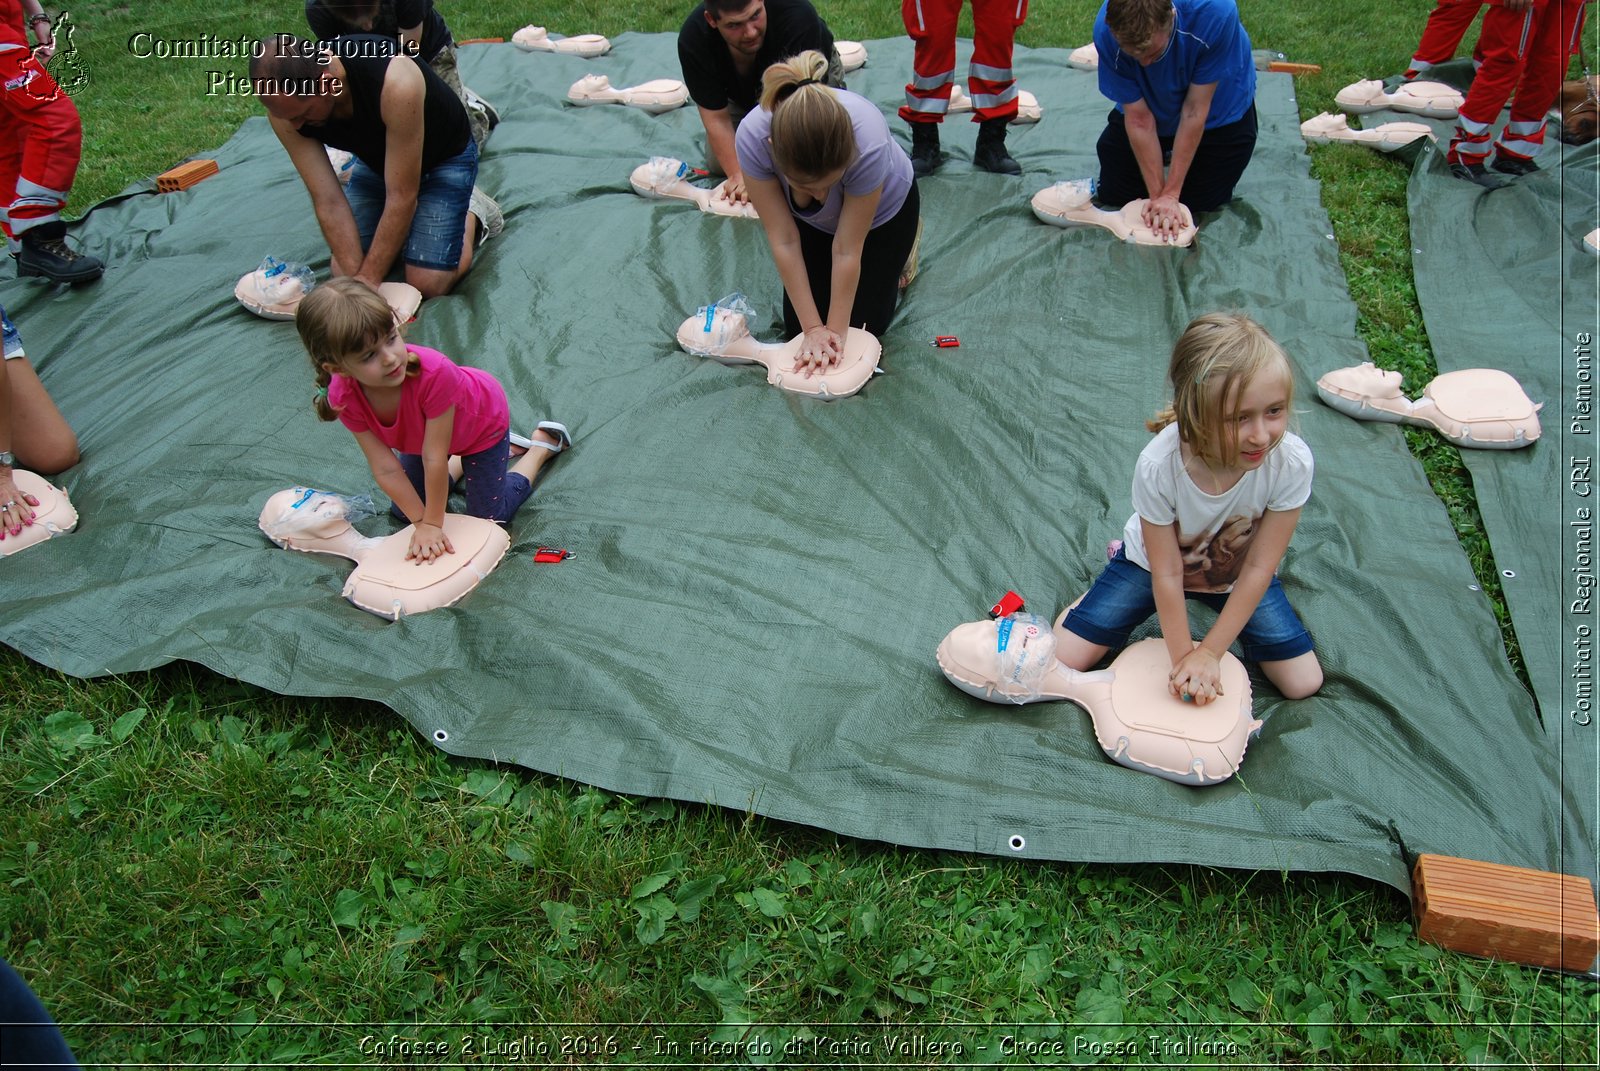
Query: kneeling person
(726, 46)
(411, 191)
(1183, 81)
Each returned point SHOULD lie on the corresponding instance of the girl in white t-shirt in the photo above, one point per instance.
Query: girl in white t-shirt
(1216, 497)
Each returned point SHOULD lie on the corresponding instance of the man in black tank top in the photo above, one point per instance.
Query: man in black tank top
(410, 195)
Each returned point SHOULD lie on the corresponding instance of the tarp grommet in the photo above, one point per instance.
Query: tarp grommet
(440, 736)
(1509, 574)
(1017, 842)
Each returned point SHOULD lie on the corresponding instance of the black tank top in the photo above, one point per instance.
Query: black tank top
(445, 130)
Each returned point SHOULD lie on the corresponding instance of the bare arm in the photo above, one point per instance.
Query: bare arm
(1202, 667)
(403, 93)
(332, 208)
(390, 476)
(428, 540)
(21, 505)
(436, 466)
(783, 235)
(1140, 123)
(43, 31)
(1163, 214)
(1260, 566)
(719, 135)
(855, 223)
(1166, 582)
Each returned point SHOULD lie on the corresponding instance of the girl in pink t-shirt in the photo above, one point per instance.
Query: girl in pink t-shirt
(414, 412)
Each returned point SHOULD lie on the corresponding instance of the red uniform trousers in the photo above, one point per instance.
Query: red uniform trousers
(931, 25)
(1447, 24)
(1525, 53)
(41, 140)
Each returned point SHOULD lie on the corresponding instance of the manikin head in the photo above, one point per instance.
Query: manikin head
(1143, 28)
(1232, 391)
(349, 328)
(296, 80)
(301, 513)
(742, 23)
(813, 140)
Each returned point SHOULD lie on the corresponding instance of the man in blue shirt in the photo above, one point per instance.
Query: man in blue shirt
(1183, 81)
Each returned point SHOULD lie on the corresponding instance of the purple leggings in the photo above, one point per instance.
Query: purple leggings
(492, 491)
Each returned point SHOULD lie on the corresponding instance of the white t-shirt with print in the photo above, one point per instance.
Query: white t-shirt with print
(1214, 531)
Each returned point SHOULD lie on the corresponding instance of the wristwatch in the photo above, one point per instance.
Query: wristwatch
(8, 459)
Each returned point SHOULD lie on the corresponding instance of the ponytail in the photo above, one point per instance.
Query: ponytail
(812, 134)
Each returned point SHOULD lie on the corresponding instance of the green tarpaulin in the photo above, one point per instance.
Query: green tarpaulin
(760, 579)
(1505, 281)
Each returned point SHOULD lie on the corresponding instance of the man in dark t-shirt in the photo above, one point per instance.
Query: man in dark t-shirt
(724, 48)
(418, 30)
(410, 193)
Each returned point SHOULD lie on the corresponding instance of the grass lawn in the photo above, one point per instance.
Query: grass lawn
(198, 872)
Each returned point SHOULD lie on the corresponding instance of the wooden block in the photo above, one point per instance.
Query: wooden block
(1506, 912)
(483, 41)
(185, 175)
(1293, 68)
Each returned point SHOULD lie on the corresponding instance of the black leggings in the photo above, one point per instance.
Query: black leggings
(883, 257)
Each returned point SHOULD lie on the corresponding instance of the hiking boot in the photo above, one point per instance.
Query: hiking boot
(1477, 173)
(925, 154)
(490, 219)
(991, 152)
(1507, 164)
(45, 252)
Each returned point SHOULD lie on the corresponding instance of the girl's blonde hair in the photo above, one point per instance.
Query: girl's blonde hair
(1214, 359)
(812, 134)
(338, 319)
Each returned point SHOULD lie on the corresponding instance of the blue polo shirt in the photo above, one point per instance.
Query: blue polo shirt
(1208, 44)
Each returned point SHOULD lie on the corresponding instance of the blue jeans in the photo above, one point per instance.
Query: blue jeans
(1122, 598)
(493, 492)
(439, 227)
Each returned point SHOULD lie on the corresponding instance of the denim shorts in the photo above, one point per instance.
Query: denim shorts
(1122, 598)
(440, 224)
(13, 338)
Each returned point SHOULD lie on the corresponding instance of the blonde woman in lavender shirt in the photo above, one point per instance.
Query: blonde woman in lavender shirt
(839, 202)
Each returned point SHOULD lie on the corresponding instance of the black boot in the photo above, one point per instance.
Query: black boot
(1477, 173)
(45, 252)
(925, 154)
(1507, 164)
(991, 152)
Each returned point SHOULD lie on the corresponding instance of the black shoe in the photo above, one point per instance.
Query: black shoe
(991, 152)
(45, 252)
(1477, 173)
(1513, 165)
(925, 154)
